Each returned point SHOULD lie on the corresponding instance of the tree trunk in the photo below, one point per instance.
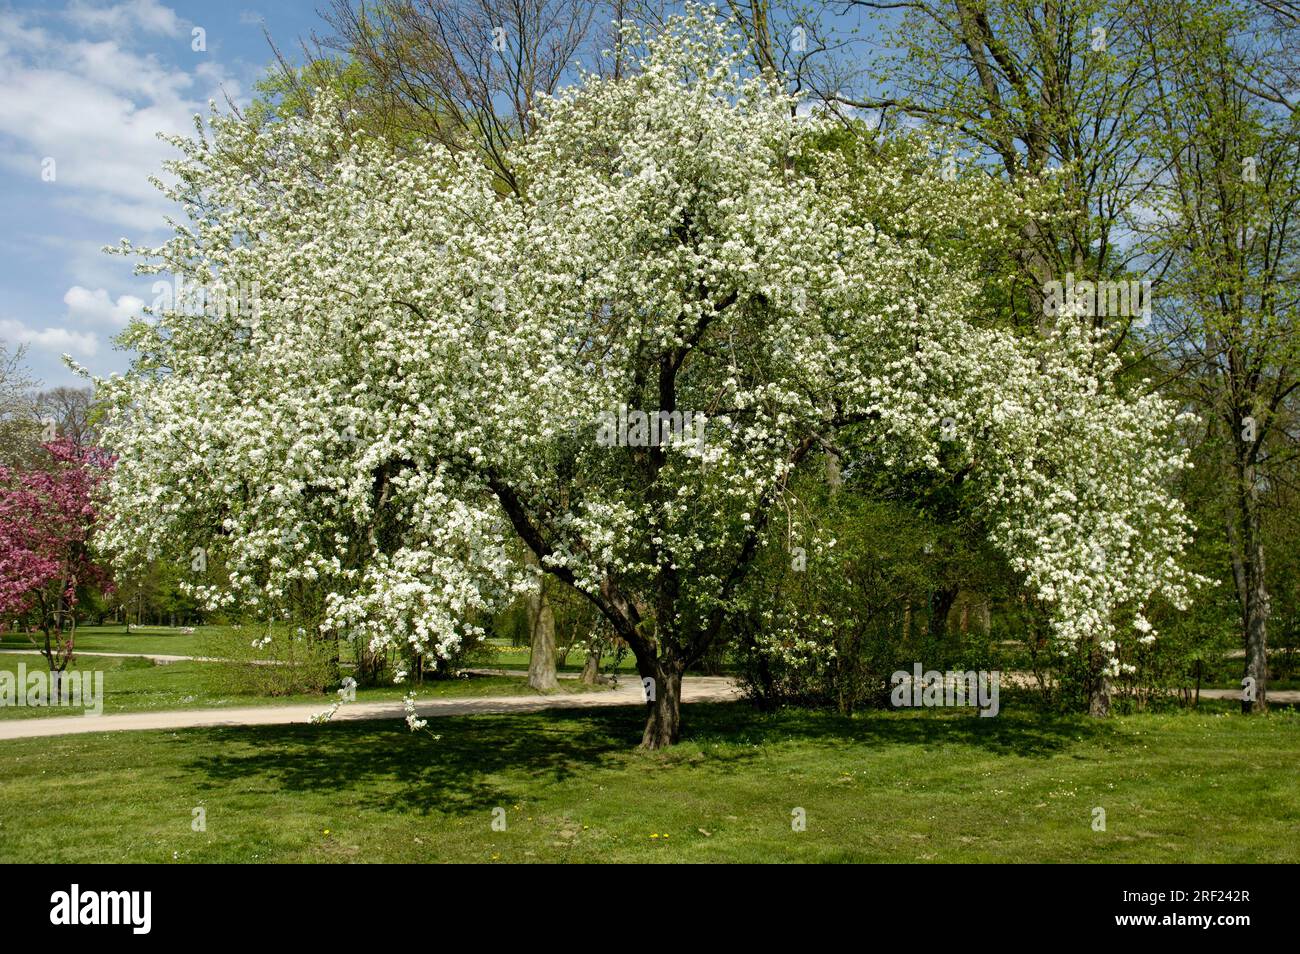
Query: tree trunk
(591, 667)
(1256, 619)
(663, 727)
(1099, 697)
(1099, 684)
(710, 664)
(834, 478)
(541, 623)
(1247, 542)
(941, 601)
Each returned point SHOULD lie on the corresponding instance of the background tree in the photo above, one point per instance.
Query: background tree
(1036, 90)
(71, 412)
(1143, 118)
(18, 423)
(1226, 231)
(466, 74)
(47, 517)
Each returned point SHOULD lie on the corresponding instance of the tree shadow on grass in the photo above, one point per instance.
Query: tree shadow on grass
(480, 762)
(1024, 733)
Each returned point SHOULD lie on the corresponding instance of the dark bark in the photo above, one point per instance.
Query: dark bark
(1255, 617)
(941, 602)
(1246, 539)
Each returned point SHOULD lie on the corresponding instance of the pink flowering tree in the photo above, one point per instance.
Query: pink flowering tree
(47, 516)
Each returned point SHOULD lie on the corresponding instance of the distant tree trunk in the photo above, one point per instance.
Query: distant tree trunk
(1257, 658)
(834, 478)
(711, 663)
(941, 601)
(541, 624)
(591, 667)
(1099, 698)
(57, 650)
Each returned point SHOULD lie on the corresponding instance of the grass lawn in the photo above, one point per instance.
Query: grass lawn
(115, 639)
(135, 684)
(499, 654)
(164, 640)
(897, 786)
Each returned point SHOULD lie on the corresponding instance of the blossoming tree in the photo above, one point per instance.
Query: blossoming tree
(47, 515)
(622, 366)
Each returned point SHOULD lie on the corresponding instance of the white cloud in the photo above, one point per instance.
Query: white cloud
(97, 307)
(57, 340)
(120, 19)
(83, 261)
(90, 84)
(95, 106)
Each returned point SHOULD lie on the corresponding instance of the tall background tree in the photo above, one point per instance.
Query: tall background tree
(1225, 231)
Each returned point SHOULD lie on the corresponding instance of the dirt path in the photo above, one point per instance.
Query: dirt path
(694, 689)
(1026, 680)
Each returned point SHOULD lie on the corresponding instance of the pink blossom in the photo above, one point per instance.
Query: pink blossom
(47, 516)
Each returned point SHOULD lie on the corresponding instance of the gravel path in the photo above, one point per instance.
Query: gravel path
(694, 689)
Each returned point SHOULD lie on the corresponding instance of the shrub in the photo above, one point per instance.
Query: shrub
(277, 662)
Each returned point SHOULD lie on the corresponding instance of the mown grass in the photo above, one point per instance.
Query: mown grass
(163, 640)
(895, 786)
(114, 639)
(136, 684)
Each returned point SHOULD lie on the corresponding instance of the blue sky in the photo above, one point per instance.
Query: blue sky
(88, 83)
